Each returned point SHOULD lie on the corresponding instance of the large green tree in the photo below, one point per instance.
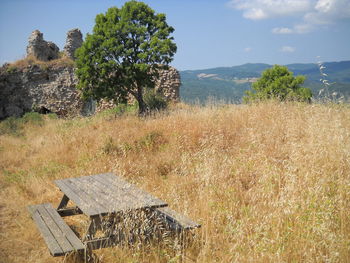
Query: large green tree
(123, 54)
(279, 83)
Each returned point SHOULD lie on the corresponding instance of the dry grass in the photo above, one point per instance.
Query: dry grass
(268, 182)
(31, 60)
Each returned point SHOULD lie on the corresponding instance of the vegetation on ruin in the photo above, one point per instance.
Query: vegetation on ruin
(29, 61)
(269, 182)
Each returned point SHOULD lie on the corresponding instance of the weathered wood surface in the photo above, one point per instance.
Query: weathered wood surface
(175, 220)
(106, 193)
(58, 236)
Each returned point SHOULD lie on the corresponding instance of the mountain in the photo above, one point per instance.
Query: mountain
(230, 83)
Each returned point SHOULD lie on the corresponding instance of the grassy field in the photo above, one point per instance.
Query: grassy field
(268, 182)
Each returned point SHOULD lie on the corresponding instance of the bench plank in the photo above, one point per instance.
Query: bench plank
(45, 232)
(177, 220)
(68, 232)
(55, 230)
(59, 238)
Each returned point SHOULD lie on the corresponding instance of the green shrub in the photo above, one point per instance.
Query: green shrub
(151, 141)
(11, 69)
(33, 118)
(11, 126)
(52, 116)
(14, 126)
(154, 101)
(279, 83)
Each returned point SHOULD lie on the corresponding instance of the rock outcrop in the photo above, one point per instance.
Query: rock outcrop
(41, 49)
(74, 40)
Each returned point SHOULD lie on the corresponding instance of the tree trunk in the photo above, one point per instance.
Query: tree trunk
(139, 98)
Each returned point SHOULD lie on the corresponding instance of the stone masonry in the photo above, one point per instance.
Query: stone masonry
(74, 41)
(41, 49)
(51, 89)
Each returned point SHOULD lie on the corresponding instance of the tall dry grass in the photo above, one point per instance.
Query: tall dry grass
(268, 182)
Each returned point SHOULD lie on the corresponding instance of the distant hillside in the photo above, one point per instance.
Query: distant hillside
(230, 83)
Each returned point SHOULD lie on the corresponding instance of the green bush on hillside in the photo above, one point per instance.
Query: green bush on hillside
(14, 126)
(279, 83)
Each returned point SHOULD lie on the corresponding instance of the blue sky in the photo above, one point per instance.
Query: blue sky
(208, 33)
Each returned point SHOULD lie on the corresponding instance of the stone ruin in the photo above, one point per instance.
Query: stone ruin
(47, 50)
(41, 49)
(74, 41)
(53, 88)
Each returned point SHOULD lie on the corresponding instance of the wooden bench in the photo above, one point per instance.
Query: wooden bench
(176, 221)
(58, 236)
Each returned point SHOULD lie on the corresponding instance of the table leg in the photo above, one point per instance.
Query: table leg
(63, 210)
(106, 225)
(95, 224)
(63, 203)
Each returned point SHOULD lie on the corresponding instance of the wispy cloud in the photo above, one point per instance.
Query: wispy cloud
(247, 49)
(287, 49)
(310, 14)
(282, 30)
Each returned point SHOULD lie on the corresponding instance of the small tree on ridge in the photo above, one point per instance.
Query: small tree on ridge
(279, 83)
(123, 54)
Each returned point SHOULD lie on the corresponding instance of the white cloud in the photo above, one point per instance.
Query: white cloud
(247, 49)
(328, 12)
(263, 9)
(288, 49)
(311, 13)
(282, 30)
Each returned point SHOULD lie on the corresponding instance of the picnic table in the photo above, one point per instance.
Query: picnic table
(99, 197)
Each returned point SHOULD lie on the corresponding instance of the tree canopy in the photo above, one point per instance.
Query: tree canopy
(279, 83)
(123, 54)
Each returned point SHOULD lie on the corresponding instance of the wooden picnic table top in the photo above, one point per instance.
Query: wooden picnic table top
(102, 194)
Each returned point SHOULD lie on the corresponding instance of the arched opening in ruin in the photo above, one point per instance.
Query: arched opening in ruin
(43, 110)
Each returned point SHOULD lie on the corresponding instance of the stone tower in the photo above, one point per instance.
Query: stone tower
(41, 49)
(74, 40)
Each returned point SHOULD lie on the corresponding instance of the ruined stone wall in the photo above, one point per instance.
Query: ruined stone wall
(168, 84)
(74, 40)
(41, 49)
(52, 87)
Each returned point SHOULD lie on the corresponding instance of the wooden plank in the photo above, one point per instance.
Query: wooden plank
(79, 201)
(87, 194)
(87, 191)
(142, 198)
(182, 220)
(55, 230)
(105, 194)
(116, 200)
(45, 232)
(67, 231)
(137, 192)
